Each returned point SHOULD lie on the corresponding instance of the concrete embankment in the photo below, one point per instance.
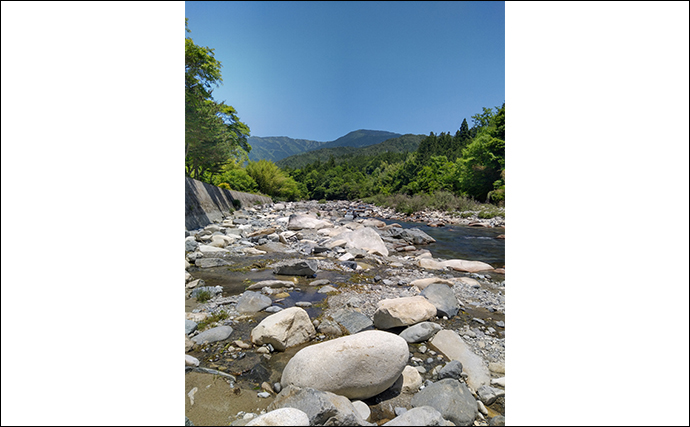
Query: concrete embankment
(206, 203)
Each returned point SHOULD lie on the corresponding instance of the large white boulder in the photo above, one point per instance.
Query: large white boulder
(356, 366)
(299, 222)
(365, 238)
(281, 417)
(284, 329)
(404, 311)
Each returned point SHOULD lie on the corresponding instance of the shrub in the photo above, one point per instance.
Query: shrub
(203, 296)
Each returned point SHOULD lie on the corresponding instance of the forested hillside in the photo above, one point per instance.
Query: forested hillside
(401, 144)
(470, 163)
(274, 148)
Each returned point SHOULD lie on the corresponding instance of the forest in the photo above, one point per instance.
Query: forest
(466, 165)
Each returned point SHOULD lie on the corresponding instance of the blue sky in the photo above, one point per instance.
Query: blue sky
(318, 70)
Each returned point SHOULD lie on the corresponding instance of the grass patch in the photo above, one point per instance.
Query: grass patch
(203, 296)
(215, 317)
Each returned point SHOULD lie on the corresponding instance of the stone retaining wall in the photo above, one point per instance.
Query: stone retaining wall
(206, 203)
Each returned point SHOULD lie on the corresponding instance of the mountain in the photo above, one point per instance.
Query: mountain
(361, 138)
(408, 142)
(275, 148)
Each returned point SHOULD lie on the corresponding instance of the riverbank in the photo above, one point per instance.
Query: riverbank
(337, 264)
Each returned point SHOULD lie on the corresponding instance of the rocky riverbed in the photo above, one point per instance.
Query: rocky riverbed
(323, 314)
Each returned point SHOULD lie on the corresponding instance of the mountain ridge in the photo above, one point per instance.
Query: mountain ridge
(275, 148)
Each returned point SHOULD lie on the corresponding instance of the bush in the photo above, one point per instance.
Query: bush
(203, 296)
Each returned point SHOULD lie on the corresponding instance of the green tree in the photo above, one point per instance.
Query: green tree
(272, 181)
(213, 132)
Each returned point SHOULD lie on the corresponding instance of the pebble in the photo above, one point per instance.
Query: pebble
(263, 394)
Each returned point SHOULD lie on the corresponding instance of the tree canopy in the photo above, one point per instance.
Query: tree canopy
(214, 133)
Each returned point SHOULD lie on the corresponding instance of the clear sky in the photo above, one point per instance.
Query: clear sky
(318, 70)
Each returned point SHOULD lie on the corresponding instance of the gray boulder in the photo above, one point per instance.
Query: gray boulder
(416, 236)
(189, 326)
(323, 408)
(210, 262)
(252, 302)
(443, 298)
(452, 369)
(353, 321)
(488, 395)
(420, 332)
(296, 267)
(218, 333)
(451, 398)
(421, 416)
(190, 244)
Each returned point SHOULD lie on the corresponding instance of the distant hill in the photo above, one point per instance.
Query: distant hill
(361, 138)
(275, 148)
(408, 142)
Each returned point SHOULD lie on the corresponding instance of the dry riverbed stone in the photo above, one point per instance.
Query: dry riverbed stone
(284, 329)
(357, 366)
(212, 335)
(443, 298)
(281, 417)
(323, 408)
(451, 398)
(404, 311)
(252, 302)
(420, 332)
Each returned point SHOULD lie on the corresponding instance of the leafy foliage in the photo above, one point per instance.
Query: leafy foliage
(213, 132)
(272, 181)
(469, 165)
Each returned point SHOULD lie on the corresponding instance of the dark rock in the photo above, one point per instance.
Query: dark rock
(296, 268)
(452, 369)
(353, 321)
(420, 332)
(252, 302)
(451, 398)
(322, 408)
(416, 236)
(443, 298)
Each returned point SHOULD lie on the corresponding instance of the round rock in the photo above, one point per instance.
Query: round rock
(357, 366)
(284, 329)
(281, 417)
(403, 311)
